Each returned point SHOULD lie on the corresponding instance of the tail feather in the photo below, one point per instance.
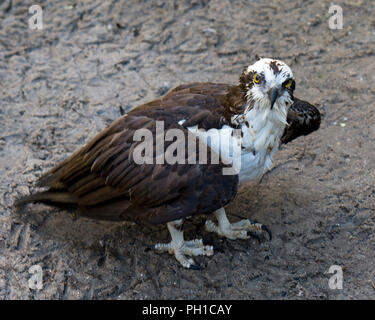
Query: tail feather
(57, 197)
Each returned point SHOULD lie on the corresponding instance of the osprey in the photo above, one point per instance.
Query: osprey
(105, 182)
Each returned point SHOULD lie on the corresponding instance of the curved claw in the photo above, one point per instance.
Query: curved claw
(195, 267)
(214, 246)
(218, 249)
(265, 228)
(254, 235)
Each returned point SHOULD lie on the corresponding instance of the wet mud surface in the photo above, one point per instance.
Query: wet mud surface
(63, 84)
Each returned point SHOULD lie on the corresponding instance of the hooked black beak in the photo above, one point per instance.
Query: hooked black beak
(273, 94)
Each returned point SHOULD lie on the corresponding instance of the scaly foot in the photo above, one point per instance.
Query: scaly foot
(239, 230)
(181, 249)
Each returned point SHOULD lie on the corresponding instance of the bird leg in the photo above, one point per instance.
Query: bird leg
(240, 230)
(181, 248)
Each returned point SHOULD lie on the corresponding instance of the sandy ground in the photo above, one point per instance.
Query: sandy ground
(61, 85)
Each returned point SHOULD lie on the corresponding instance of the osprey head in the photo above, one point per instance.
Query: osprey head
(268, 83)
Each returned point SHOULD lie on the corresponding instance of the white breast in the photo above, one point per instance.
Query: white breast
(261, 133)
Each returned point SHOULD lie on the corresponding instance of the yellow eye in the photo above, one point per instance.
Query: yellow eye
(288, 84)
(256, 78)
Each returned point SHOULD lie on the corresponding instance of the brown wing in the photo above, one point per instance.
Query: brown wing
(196, 103)
(106, 182)
(303, 118)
